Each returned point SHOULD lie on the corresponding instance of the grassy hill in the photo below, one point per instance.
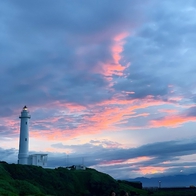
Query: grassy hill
(32, 180)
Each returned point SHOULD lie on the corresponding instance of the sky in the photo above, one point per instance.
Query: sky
(110, 84)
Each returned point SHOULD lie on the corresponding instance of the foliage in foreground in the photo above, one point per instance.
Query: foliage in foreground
(32, 180)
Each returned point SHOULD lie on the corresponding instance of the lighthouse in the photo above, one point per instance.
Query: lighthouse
(24, 136)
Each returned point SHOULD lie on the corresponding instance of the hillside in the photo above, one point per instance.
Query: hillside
(168, 181)
(32, 180)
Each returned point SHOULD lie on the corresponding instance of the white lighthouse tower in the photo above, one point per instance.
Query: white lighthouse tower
(24, 137)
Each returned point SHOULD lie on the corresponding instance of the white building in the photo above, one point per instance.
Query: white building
(23, 155)
(38, 159)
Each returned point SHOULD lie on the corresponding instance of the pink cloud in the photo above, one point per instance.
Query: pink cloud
(172, 121)
(151, 170)
(94, 118)
(113, 66)
(168, 111)
(126, 161)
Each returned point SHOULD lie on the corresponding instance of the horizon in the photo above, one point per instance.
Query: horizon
(108, 83)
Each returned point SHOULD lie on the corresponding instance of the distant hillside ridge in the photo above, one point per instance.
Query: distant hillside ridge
(21, 180)
(168, 181)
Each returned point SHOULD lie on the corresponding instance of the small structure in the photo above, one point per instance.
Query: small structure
(38, 159)
(80, 167)
(76, 167)
(23, 155)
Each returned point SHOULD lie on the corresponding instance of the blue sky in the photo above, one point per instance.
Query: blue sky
(109, 83)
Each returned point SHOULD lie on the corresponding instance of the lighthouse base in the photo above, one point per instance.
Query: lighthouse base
(23, 161)
(34, 159)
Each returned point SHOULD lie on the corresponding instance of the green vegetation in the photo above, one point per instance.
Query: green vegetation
(29, 180)
(32, 180)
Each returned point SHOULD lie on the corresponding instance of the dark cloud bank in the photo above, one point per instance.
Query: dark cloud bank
(160, 154)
